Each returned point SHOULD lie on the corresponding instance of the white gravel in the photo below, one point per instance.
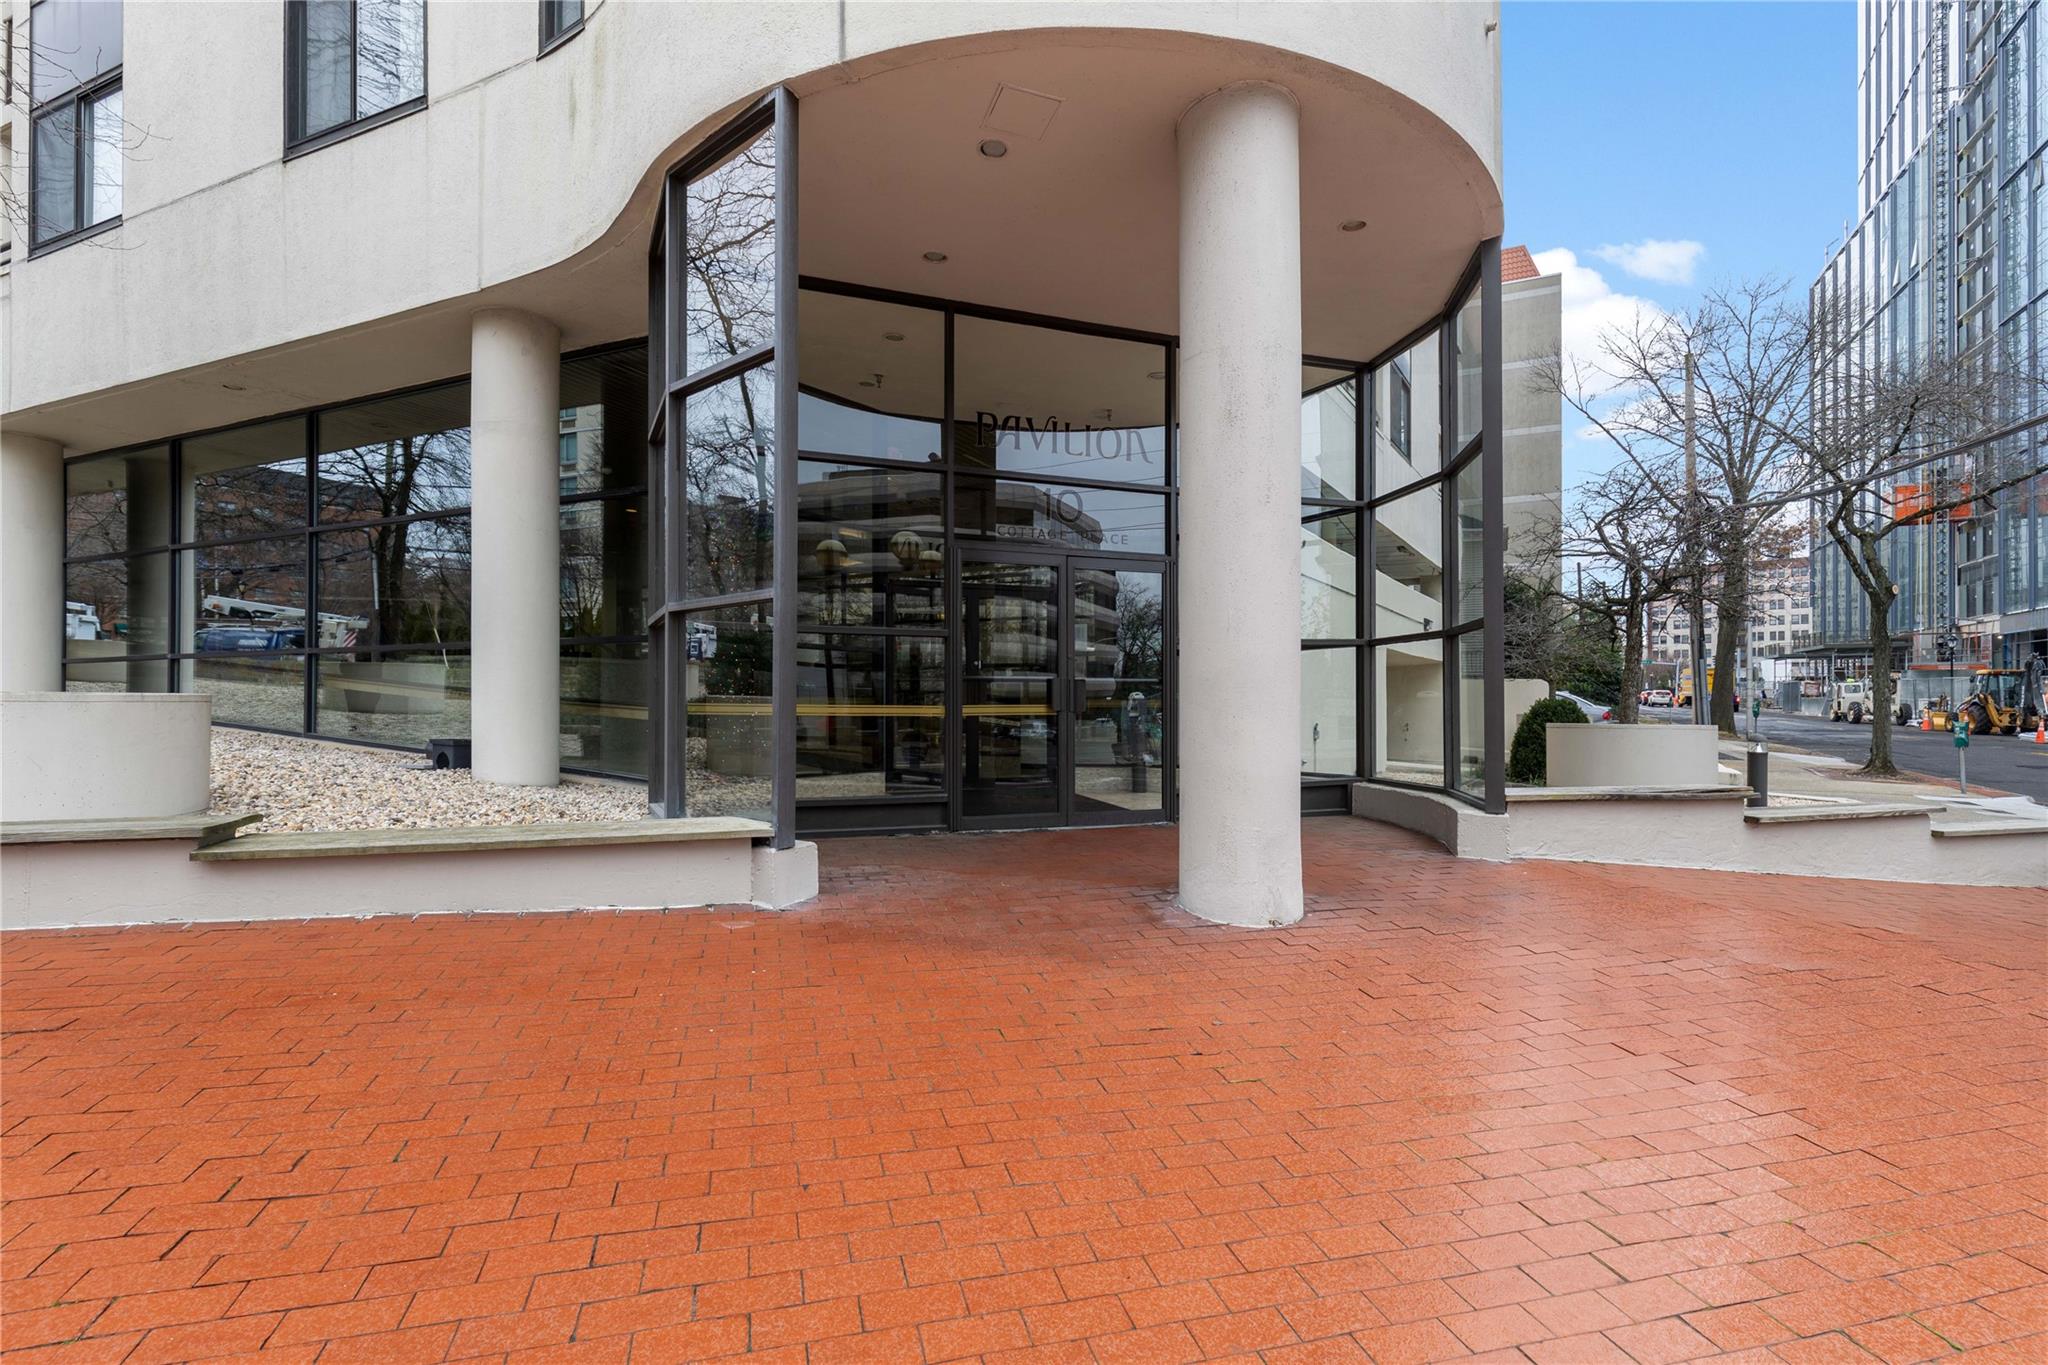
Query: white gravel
(302, 784)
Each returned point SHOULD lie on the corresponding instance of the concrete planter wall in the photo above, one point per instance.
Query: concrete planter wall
(1632, 755)
(390, 689)
(103, 755)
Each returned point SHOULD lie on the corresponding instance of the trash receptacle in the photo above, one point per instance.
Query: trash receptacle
(1759, 774)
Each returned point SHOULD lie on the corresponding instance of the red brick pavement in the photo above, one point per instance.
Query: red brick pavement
(992, 1097)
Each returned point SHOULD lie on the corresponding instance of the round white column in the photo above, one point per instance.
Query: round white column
(1240, 506)
(515, 536)
(31, 564)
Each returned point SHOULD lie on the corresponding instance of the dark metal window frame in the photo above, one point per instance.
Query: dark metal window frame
(1320, 509)
(950, 470)
(180, 543)
(1481, 275)
(551, 37)
(670, 606)
(78, 97)
(298, 142)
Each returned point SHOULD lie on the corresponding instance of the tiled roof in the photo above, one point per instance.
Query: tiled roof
(1517, 264)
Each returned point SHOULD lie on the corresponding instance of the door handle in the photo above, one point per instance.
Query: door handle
(1078, 697)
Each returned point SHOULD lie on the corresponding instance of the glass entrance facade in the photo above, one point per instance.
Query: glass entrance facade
(984, 531)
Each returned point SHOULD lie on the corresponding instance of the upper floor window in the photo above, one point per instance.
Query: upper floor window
(351, 63)
(559, 20)
(1400, 408)
(75, 112)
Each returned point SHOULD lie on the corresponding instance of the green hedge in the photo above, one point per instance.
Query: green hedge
(1527, 756)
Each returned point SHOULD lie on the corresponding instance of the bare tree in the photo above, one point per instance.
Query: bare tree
(1628, 545)
(1744, 348)
(1898, 443)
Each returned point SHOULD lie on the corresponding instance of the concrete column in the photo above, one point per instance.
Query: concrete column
(31, 564)
(1240, 570)
(515, 576)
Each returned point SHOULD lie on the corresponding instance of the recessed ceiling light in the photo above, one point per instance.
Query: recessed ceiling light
(236, 388)
(1155, 374)
(993, 148)
(892, 336)
(867, 383)
(935, 256)
(1351, 224)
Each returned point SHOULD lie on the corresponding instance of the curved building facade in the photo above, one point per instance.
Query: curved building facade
(866, 416)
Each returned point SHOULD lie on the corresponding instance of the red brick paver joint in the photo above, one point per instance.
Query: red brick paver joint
(992, 1098)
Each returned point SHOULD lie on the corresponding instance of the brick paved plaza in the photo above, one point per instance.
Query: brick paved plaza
(992, 1097)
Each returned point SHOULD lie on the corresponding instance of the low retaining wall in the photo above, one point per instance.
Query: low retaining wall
(1708, 827)
(68, 884)
(1631, 755)
(103, 755)
(1465, 831)
(1875, 844)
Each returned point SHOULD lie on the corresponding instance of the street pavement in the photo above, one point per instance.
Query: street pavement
(2005, 763)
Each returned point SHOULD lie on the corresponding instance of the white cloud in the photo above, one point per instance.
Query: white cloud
(1655, 259)
(1591, 306)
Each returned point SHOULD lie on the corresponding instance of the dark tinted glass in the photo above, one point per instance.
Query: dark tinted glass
(248, 481)
(1109, 520)
(729, 287)
(871, 545)
(401, 584)
(117, 502)
(729, 472)
(1034, 400)
(395, 457)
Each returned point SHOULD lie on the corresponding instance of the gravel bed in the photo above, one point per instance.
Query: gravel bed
(304, 785)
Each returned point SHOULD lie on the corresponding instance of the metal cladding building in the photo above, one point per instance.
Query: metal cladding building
(861, 416)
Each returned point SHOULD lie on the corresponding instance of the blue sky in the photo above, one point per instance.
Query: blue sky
(1729, 126)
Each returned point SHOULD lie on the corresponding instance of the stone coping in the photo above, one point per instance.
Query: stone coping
(205, 828)
(1720, 793)
(1796, 815)
(107, 698)
(358, 843)
(1994, 829)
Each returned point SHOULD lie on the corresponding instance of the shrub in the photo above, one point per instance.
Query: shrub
(1527, 756)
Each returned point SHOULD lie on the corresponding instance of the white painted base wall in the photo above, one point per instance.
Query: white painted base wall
(67, 885)
(1632, 755)
(1650, 831)
(103, 755)
(1462, 830)
(1712, 834)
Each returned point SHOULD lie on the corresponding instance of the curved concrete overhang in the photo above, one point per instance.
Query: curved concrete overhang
(534, 185)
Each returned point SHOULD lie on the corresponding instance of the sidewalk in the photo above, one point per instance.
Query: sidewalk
(1799, 778)
(992, 1097)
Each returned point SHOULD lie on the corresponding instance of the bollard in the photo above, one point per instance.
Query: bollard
(1759, 774)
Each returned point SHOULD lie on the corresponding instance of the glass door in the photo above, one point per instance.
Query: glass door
(1063, 705)
(1117, 665)
(1011, 691)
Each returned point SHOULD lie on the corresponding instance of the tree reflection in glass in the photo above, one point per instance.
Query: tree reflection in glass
(729, 258)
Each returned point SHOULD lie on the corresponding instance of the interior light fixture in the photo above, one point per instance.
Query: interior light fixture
(995, 148)
(1155, 374)
(1351, 225)
(892, 336)
(935, 256)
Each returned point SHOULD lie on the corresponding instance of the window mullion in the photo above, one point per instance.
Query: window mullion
(354, 44)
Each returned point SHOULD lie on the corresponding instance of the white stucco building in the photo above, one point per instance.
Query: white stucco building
(862, 416)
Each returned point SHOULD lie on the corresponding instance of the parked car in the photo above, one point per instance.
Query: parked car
(246, 640)
(1657, 696)
(1594, 710)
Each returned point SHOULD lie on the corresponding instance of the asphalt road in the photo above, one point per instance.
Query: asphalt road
(2010, 764)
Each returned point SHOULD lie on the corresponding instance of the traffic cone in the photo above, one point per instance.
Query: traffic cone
(2041, 730)
(1926, 721)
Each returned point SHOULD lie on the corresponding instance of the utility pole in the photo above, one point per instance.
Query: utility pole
(1698, 604)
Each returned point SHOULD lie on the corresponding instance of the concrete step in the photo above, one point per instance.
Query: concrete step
(358, 843)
